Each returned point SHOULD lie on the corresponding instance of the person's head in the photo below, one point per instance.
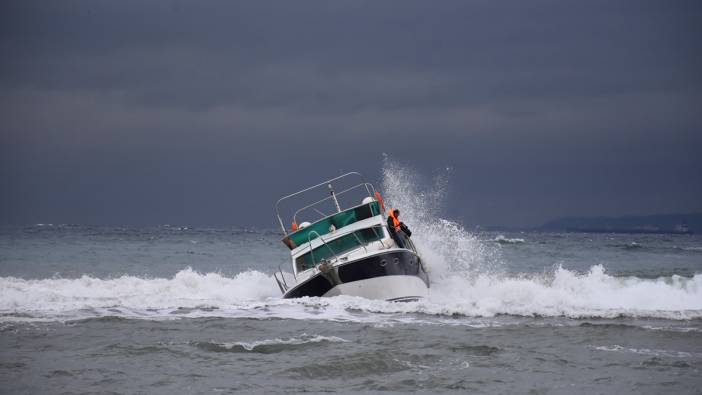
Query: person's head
(396, 212)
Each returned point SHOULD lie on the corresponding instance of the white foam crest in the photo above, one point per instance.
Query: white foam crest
(561, 294)
(648, 351)
(567, 293)
(302, 339)
(506, 240)
(187, 289)
(679, 329)
(453, 299)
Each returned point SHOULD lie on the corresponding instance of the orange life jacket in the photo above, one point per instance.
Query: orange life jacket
(395, 221)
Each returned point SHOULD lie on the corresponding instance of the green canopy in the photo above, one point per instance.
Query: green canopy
(338, 220)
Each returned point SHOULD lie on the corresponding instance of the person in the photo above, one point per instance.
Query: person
(398, 230)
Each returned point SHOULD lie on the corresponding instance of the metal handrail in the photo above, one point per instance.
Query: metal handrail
(363, 184)
(380, 238)
(323, 242)
(359, 241)
(277, 204)
(280, 269)
(283, 285)
(406, 239)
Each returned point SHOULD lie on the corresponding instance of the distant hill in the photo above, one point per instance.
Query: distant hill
(662, 223)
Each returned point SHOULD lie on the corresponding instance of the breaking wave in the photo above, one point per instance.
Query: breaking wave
(647, 351)
(505, 240)
(252, 294)
(185, 294)
(467, 281)
(269, 346)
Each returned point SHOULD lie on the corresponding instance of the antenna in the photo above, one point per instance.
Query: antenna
(333, 196)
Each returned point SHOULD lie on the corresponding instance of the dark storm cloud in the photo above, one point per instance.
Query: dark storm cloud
(175, 111)
(388, 55)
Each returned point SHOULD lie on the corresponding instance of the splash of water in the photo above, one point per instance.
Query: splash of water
(466, 276)
(447, 247)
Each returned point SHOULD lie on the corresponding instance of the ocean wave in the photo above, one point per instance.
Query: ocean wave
(465, 280)
(252, 294)
(648, 351)
(692, 249)
(187, 293)
(678, 329)
(268, 346)
(570, 294)
(632, 246)
(504, 240)
(466, 284)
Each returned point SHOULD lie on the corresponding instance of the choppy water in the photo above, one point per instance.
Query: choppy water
(186, 310)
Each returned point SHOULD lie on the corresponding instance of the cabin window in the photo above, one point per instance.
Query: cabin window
(339, 246)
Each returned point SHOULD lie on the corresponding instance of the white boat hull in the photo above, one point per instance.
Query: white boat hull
(396, 274)
(396, 287)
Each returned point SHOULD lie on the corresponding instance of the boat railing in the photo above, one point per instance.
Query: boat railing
(282, 284)
(309, 240)
(409, 244)
(369, 189)
(360, 242)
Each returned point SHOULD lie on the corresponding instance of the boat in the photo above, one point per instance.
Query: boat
(340, 245)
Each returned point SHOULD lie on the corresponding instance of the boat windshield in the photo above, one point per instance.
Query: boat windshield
(339, 246)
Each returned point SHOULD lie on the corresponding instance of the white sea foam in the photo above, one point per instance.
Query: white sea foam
(254, 294)
(129, 295)
(648, 351)
(566, 293)
(679, 329)
(505, 240)
(302, 339)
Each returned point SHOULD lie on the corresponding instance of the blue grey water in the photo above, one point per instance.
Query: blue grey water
(173, 309)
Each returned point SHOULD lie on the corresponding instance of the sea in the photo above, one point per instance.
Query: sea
(177, 309)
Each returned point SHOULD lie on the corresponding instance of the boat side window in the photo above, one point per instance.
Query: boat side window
(339, 246)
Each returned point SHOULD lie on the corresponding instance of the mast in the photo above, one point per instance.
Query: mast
(333, 196)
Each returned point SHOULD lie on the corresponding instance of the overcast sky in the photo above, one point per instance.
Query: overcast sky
(204, 113)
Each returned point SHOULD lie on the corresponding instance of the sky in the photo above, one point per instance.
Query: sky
(203, 113)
